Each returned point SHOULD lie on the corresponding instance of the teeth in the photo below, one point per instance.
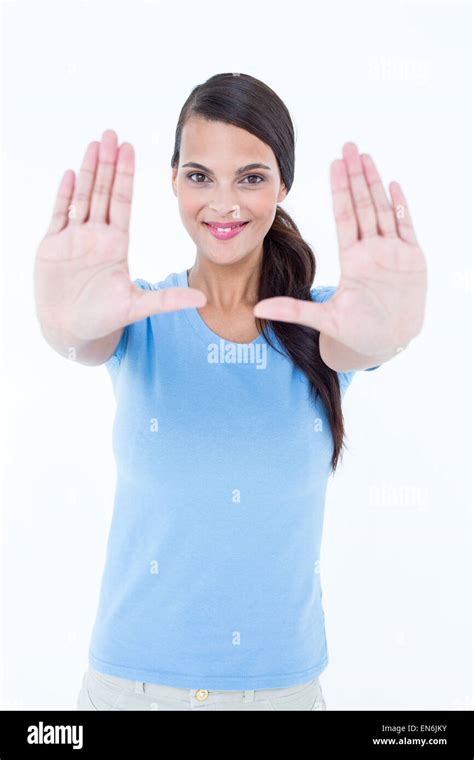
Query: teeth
(225, 229)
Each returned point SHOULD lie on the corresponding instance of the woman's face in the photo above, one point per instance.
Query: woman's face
(215, 192)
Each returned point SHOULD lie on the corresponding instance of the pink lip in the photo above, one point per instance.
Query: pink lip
(237, 227)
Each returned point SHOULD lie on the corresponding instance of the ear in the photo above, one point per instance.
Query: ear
(283, 193)
(174, 173)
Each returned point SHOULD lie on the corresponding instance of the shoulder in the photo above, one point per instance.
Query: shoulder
(171, 281)
(136, 331)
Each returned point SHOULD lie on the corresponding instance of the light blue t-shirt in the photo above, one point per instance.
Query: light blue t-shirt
(212, 576)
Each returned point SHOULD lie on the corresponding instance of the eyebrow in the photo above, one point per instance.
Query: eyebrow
(242, 169)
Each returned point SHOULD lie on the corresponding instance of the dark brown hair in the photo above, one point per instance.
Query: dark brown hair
(288, 265)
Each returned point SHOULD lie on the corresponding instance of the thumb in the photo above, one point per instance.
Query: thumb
(145, 303)
(319, 316)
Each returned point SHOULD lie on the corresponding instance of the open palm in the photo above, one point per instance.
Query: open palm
(81, 276)
(379, 303)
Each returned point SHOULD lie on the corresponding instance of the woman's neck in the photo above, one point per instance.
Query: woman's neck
(227, 287)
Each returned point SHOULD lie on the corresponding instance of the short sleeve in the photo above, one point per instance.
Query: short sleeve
(113, 362)
(323, 293)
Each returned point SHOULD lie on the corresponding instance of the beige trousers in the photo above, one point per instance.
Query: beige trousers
(103, 692)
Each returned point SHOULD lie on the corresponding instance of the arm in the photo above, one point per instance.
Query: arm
(88, 352)
(341, 358)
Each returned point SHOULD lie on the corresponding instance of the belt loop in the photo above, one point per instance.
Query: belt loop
(249, 695)
(139, 687)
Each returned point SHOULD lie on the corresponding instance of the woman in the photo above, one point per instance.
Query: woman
(228, 378)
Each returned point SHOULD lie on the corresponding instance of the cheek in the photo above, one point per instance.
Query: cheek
(189, 204)
(261, 207)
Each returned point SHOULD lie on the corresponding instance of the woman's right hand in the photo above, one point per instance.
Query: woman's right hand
(81, 279)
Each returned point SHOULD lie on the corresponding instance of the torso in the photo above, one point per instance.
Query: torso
(222, 472)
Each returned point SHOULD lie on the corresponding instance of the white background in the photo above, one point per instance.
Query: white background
(397, 545)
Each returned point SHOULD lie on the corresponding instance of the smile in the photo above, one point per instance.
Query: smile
(225, 232)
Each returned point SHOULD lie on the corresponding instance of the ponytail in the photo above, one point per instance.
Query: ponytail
(288, 269)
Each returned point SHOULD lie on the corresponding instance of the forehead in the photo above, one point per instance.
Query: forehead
(215, 143)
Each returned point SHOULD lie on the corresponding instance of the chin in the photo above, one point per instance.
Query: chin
(222, 258)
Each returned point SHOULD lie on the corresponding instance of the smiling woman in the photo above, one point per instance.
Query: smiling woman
(211, 591)
(225, 119)
(232, 488)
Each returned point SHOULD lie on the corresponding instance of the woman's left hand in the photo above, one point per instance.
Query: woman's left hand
(379, 304)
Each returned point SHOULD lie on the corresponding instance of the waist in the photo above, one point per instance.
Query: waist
(165, 691)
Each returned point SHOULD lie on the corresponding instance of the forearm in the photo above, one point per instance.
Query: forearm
(341, 358)
(88, 352)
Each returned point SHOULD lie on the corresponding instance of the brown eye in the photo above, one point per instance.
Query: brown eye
(196, 174)
(256, 176)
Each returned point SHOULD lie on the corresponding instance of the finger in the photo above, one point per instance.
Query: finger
(285, 309)
(82, 192)
(383, 207)
(121, 200)
(148, 302)
(363, 205)
(59, 218)
(402, 214)
(104, 177)
(346, 222)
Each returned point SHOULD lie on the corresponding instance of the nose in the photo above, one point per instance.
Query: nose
(223, 210)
